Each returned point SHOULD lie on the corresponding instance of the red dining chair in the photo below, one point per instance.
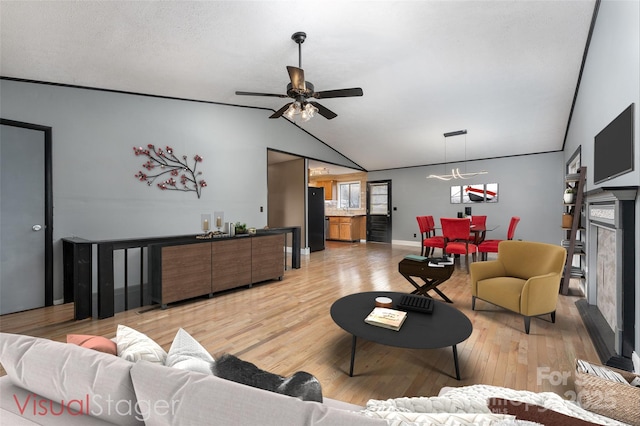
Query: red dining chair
(427, 234)
(423, 226)
(456, 238)
(491, 246)
(434, 241)
(478, 221)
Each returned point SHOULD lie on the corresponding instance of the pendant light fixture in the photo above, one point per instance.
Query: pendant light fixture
(455, 173)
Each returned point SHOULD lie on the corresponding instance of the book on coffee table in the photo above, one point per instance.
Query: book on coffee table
(386, 318)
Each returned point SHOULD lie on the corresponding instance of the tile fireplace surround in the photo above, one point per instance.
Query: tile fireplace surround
(609, 308)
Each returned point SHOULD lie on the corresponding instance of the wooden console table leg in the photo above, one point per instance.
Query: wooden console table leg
(353, 354)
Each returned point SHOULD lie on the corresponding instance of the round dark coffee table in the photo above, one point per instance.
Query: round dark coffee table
(445, 326)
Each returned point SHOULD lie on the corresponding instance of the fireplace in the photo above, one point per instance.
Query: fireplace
(609, 308)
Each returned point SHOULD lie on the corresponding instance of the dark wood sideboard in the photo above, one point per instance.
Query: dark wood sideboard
(182, 271)
(82, 256)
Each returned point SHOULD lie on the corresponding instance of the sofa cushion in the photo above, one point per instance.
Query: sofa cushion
(186, 397)
(97, 343)
(96, 382)
(502, 291)
(135, 346)
(186, 353)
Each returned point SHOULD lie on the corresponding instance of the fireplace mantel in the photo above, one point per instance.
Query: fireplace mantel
(609, 308)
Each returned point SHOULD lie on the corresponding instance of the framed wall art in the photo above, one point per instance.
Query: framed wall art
(472, 194)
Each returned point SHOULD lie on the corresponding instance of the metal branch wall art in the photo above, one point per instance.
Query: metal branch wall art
(164, 164)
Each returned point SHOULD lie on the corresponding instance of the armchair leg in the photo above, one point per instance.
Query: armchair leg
(553, 317)
(473, 302)
(527, 324)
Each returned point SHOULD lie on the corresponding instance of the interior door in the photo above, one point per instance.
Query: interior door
(26, 278)
(379, 211)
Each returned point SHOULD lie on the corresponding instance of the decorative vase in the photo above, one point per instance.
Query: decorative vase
(568, 197)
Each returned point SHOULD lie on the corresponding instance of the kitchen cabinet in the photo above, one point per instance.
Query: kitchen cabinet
(327, 185)
(334, 228)
(345, 228)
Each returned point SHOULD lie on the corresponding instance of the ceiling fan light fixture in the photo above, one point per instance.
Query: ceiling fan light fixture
(308, 112)
(293, 109)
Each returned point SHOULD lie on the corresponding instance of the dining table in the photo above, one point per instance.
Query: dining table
(480, 231)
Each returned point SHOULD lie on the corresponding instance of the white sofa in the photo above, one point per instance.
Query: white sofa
(54, 383)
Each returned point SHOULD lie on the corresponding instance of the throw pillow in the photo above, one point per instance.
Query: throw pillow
(135, 346)
(97, 343)
(68, 373)
(534, 413)
(300, 385)
(188, 354)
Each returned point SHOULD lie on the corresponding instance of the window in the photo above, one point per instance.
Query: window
(349, 195)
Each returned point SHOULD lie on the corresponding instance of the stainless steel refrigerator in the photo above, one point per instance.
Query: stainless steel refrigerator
(315, 218)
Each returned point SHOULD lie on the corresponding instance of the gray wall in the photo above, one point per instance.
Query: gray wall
(529, 186)
(95, 193)
(611, 82)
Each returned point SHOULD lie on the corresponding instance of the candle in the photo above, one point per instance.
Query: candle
(205, 225)
(218, 221)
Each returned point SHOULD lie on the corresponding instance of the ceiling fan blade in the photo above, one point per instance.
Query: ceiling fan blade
(261, 94)
(339, 93)
(281, 111)
(324, 111)
(297, 78)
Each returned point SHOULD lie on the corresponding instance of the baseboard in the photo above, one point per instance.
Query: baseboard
(406, 243)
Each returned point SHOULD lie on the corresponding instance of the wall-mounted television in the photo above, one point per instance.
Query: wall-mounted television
(613, 148)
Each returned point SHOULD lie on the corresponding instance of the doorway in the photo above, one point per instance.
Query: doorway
(379, 211)
(26, 209)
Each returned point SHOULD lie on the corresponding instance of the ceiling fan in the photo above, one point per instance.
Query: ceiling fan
(301, 91)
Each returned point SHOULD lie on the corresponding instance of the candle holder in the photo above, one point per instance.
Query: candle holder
(205, 222)
(219, 220)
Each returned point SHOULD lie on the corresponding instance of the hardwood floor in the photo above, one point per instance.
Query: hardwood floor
(285, 326)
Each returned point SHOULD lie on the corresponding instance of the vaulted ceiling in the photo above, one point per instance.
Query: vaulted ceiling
(506, 71)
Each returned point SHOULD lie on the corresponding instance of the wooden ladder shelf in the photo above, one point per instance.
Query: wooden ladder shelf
(575, 226)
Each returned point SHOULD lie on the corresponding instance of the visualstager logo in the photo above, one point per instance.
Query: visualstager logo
(96, 405)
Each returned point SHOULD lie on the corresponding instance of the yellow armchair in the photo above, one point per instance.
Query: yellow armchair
(525, 278)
